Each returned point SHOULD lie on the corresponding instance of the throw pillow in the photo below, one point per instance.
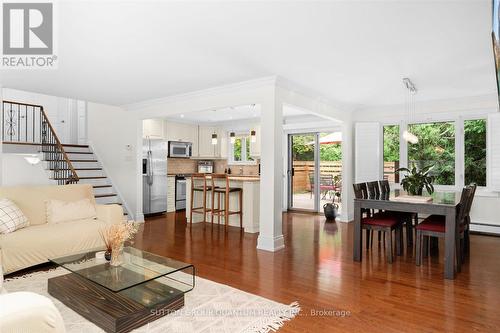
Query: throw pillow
(11, 217)
(63, 211)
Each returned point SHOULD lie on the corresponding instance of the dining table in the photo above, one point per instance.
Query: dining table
(440, 203)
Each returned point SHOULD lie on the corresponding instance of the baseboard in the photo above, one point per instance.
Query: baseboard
(270, 244)
(485, 228)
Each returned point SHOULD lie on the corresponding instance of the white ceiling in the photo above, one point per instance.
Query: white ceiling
(232, 114)
(351, 52)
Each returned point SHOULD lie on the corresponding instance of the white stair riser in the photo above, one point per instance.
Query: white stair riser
(86, 164)
(81, 156)
(101, 181)
(106, 200)
(103, 190)
(90, 173)
(84, 149)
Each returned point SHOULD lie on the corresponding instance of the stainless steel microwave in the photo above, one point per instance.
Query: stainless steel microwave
(180, 149)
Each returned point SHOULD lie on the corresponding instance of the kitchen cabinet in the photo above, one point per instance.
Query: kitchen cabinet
(182, 132)
(224, 140)
(152, 128)
(205, 147)
(255, 146)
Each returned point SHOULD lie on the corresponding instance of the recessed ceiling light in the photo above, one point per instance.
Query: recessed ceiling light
(182, 115)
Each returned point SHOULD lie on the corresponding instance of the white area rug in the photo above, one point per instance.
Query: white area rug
(210, 307)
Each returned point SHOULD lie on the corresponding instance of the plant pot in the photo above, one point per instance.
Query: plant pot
(331, 211)
(107, 255)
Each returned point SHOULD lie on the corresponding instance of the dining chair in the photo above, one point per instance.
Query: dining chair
(435, 226)
(385, 223)
(373, 190)
(406, 218)
(466, 239)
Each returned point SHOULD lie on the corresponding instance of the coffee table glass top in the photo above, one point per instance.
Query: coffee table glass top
(137, 268)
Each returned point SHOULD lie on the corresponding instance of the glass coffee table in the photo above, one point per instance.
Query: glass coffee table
(142, 289)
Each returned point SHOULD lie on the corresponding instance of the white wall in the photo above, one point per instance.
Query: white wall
(62, 112)
(484, 214)
(17, 171)
(115, 136)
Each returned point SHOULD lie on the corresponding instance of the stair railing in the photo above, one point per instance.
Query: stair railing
(24, 123)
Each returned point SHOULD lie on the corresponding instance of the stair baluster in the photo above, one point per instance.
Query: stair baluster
(16, 127)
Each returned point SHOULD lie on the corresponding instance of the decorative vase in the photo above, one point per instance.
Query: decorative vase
(116, 255)
(331, 211)
(107, 255)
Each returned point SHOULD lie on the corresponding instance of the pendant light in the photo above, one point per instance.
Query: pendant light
(214, 135)
(232, 137)
(253, 136)
(410, 109)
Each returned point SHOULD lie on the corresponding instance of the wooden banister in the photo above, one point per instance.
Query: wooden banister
(24, 123)
(60, 147)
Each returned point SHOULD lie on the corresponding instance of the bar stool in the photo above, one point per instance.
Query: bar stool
(199, 184)
(225, 193)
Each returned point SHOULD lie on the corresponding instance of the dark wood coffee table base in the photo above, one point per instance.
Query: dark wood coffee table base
(115, 312)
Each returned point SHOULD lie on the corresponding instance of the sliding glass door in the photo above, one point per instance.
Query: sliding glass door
(302, 171)
(314, 170)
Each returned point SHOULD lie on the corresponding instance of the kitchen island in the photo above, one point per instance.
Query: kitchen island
(251, 193)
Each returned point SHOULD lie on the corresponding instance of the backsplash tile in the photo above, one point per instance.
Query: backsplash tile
(185, 165)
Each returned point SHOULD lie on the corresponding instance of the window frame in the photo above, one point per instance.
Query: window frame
(230, 149)
(459, 147)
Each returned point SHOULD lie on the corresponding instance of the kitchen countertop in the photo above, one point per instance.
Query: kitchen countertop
(252, 178)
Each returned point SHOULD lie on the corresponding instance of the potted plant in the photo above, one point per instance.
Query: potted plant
(416, 180)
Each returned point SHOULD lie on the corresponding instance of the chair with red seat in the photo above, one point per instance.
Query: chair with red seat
(381, 221)
(435, 226)
(406, 218)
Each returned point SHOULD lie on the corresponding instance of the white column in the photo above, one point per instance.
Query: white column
(347, 171)
(271, 178)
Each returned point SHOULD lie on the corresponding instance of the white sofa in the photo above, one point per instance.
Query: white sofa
(40, 241)
(28, 312)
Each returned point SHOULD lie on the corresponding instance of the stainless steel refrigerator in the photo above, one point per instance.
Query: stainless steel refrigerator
(154, 176)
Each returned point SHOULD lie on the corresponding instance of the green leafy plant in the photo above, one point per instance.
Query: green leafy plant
(416, 180)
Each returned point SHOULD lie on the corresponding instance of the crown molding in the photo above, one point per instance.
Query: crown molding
(269, 81)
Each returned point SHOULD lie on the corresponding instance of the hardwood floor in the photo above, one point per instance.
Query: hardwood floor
(316, 269)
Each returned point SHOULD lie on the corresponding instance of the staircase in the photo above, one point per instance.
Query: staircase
(90, 171)
(27, 124)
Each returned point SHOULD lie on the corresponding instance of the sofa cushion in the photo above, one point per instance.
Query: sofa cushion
(36, 244)
(11, 217)
(63, 211)
(31, 199)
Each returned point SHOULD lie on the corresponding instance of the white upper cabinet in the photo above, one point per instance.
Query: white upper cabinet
(181, 132)
(152, 128)
(206, 148)
(223, 143)
(255, 146)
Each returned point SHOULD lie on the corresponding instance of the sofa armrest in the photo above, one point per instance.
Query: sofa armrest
(110, 214)
(29, 312)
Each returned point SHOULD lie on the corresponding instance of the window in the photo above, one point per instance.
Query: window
(391, 153)
(436, 146)
(475, 151)
(240, 150)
